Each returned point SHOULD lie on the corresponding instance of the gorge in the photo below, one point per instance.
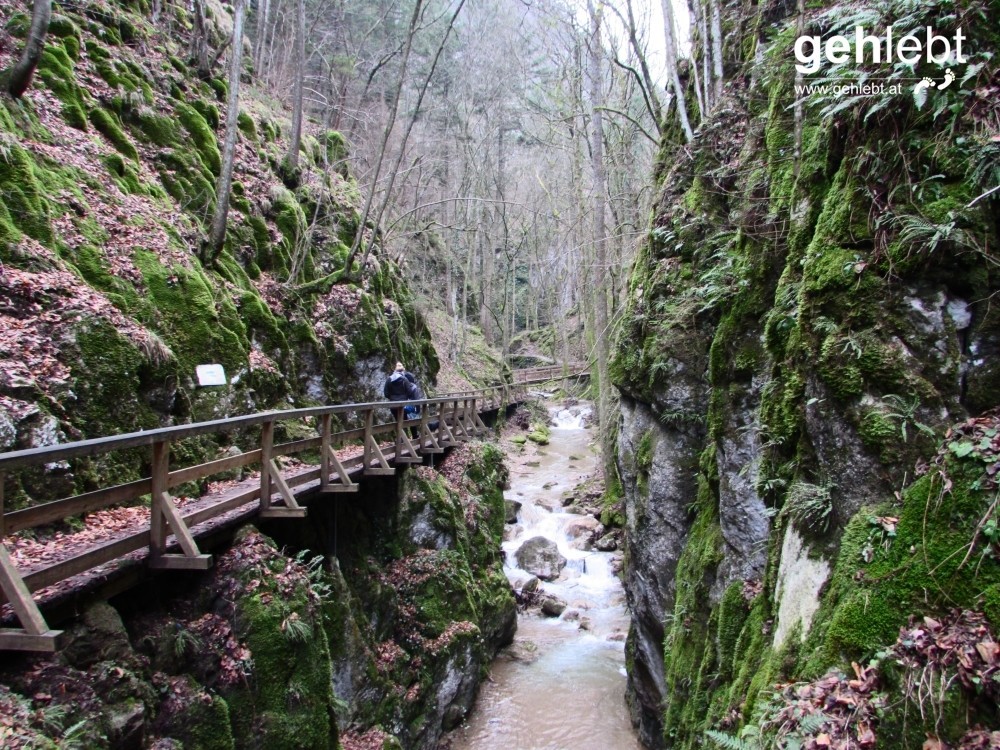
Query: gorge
(774, 250)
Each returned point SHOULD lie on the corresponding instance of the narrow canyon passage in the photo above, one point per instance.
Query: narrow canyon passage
(562, 683)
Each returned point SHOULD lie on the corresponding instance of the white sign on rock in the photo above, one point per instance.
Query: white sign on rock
(211, 375)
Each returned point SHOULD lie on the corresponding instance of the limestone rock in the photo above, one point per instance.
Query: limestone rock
(541, 557)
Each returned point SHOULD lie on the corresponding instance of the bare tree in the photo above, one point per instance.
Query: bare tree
(223, 186)
(675, 81)
(18, 78)
(292, 159)
(600, 266)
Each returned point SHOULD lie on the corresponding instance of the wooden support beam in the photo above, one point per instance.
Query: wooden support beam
(159, 478)
(12, 639)
(292, 508)
(458, 431)
(406, 453)
(19, 597)
(164, 514)
(346, 484)
(428, 442)
(445, 436)
(373, 452)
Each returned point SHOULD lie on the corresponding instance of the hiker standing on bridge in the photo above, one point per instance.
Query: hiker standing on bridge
(402, 386)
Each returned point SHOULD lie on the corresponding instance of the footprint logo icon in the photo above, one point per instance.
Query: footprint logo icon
(949, 78)
(925, 83)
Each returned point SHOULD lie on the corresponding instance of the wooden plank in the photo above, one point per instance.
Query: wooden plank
(369, 418)
(17, 640)
(206, 514)
(181, 562)
(379, 472)
(297, 446)
(279, 512)
(19, 597)
(193, 473)
(57, 510)
(90, 559)
(266, 444)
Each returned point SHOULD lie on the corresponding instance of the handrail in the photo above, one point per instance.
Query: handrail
(94, 446)
(455, 419)
(550, 372)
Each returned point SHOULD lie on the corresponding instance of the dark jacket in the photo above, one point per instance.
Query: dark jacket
(400, 388)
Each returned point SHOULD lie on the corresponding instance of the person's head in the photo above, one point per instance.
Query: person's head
(399, 367)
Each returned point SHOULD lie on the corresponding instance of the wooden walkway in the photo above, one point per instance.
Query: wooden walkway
(167, 539)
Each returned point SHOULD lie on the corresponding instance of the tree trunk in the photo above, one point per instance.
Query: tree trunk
(199, 41)
(224, 185)
(716, 49)
(19, 77)
(292, 159)
(675, 81)
(263, 13)
(600, 290)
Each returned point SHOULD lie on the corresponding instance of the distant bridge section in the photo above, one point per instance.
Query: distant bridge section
(533, 375)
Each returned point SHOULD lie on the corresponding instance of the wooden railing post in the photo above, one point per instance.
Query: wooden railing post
(266, 447)
(325, 450)
(157, 521)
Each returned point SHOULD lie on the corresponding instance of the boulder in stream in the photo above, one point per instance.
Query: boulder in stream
(553, 606)
(607, 543)
(541, 557)
(511, 508)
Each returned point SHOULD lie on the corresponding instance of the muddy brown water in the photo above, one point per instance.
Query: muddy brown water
(560, 685)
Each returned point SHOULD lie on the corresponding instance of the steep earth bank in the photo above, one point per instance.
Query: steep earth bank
(375, 623)
(813, 307)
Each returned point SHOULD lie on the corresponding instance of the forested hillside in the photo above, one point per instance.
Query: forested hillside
(112, 292)
(809, 367)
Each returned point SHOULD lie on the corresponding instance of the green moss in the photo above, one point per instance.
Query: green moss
(202, 136)
(189, 318)
(247, 126)
(24, 202)
(124, 174)
(733, 613)
(106, 124)
(55, 69)
(208, 111)
(160, 130)
(289, 707)
(19, 25)
(877, 432)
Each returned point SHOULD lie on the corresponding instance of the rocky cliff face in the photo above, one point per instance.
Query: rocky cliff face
(812, 309)
(108, 168)
(381, 628)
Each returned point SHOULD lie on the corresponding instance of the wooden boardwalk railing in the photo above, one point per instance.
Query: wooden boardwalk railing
(551, 372)
(457, 418)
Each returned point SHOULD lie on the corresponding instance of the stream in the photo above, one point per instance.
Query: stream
(561, 684)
